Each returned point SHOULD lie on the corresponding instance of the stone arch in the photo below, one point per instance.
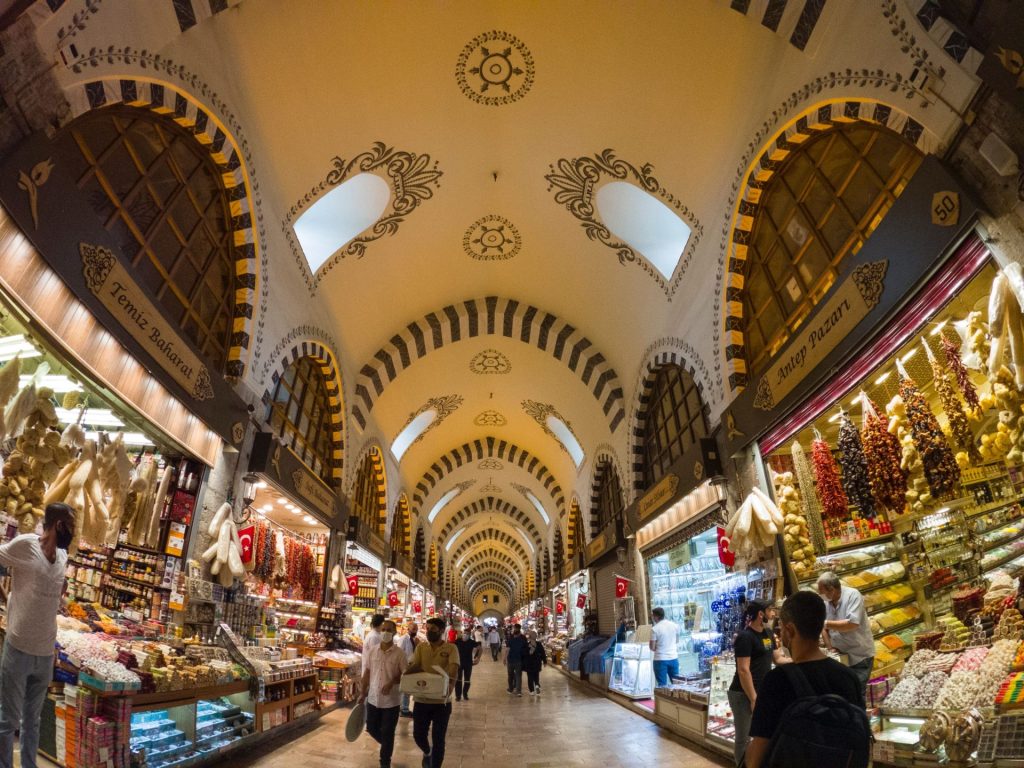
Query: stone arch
(666, 354)
(188, 112)
(487, 447)
(813, 120)
(486, 536)
(401, 527)
(472, 511)
(576, 532)
(492, 555)
(490, 316)
(604, 461)
(328, 364)
(509, 584)
(372, 453)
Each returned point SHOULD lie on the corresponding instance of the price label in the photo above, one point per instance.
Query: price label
(945, 209)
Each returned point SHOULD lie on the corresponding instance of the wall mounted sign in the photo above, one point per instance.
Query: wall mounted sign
(286, 472)
(679, 556)
(314, 491)
(663, 491)
(604, 542)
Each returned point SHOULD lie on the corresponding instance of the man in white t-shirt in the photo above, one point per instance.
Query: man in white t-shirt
(407, 643)
(37, 565)
(663, 643)
(383, 666)
(372, 638)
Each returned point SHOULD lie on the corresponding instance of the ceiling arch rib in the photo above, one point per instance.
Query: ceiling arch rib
(482, 536)
(469, 515)
(498, 573)
(509, 541)
(491, 586)
(487, 448)
(487, 317)
(492, 555)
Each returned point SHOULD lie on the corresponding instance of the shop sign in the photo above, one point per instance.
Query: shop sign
(604, 542)
(375, 542)
(287, 472)
(110, 282)
(314, 491)
(662, 492)
(857, 295)
(679, 556)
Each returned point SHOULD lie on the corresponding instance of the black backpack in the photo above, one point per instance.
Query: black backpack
(819, 731)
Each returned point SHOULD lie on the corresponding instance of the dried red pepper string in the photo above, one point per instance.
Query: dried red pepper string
(963, 376)
(834, 503)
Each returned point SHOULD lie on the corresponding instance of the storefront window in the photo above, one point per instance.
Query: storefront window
(608, 504)
(299, 413)
(159, 194)
(827, 198)
(675, 421)
(365, 497)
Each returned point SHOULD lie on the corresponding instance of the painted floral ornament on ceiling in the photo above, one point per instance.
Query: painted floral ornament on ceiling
(443, 407)
(490, 464)
(495, 69)
(490, 419)
(490, 361)
(539, 412)
(492, 238)
(491, 488)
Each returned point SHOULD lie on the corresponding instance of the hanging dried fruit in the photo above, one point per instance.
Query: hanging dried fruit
(812, 507)
(954, 411)
(940, 467)
(963, 377)
(855, 468)
(834, 503)
(883, 455)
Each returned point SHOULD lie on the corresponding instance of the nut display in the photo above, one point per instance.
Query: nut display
(940, 467)
(855, 468)
(834, 504)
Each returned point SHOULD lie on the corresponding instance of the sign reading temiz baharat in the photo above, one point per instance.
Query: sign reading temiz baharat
(110, 282)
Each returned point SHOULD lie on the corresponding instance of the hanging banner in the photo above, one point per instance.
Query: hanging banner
(725, 556)
(417, 606)
(581, 600)
(393, 598)
(621, 586)
(353, 584)
(245, 538)
(559, 608)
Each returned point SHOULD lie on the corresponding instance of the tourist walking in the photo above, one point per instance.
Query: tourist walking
(37, 565)
(494, 641)
(515, 648)
(534, 658)
(382, 674)
(469, 655)
(430, 715)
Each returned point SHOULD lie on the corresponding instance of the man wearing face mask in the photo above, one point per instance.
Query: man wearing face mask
(382, 672)
(469, 654)
(37, 566)
(430, 713)
(408, 643)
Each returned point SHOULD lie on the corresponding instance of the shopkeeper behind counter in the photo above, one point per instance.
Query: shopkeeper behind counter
(847, 627)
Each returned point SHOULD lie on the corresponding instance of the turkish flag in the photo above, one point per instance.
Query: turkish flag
(547, 611)
(417, 606)
(621, 586)
(559, 608)
(245, 538)
(353, 584)
(725, 556)
(393, 598)
(581, 600)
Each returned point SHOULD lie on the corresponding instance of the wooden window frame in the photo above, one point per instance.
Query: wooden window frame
(314, 445)
(669, 406)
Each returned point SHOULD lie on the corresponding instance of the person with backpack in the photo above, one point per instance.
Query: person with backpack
(810, 713)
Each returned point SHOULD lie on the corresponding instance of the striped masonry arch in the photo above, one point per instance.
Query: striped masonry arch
(401, 527)
(491, 555)
(812, 121)
(487, 447)
(603, 463)
(372, 460)
(185, 110)
(490, 316)
(471, 512)
(575, 524)
(483, 537)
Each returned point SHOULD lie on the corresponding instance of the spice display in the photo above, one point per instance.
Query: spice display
(883, 456)
(795, 532)
(940, 467)
(918, 495)
(834, 504)
(855, 468)
(963, 376)
(952, 407)
(812, 507)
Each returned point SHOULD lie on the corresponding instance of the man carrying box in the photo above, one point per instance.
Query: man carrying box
(433, 709)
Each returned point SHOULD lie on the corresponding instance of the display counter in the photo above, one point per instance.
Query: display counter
(632, 671)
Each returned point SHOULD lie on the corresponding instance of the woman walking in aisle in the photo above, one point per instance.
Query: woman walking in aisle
(534, 658)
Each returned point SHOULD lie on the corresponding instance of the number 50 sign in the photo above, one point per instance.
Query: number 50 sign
(945, 209)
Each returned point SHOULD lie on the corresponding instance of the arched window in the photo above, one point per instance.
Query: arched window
(822, 204)
(162, 198)
(400, 528)
(420, 550)
(577, 538)
(366, 496)
(675, 421)
(558, 551)
(299, 412)
(607, 497)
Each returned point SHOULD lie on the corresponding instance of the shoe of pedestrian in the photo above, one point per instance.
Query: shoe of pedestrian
(458, 698)
(519, 693)
(385, 764)
(466, 697)
(426, 760)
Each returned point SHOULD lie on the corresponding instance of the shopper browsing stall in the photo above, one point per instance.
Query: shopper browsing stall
(663, 642)
(382, 672)
(38, 565)
(430, 715)
(847, 628)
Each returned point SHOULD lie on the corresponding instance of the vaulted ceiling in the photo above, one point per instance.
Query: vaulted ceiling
(491, 290)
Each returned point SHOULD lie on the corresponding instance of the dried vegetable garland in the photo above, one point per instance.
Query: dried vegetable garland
(812, 507)
(953, 409)
(940, 467)
(883, 455)
(855, 468)
(834, 503)
(963, 377)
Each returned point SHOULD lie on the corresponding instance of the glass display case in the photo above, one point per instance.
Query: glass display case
(632, 670)
(720, 722)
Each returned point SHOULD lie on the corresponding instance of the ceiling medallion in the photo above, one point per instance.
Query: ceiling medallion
(490, 419)
(495, 68)
(492, 464)
(490, 361)
(492, 238)
(491, 488)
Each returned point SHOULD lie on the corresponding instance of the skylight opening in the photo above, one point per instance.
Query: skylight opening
(441, 503)
(566, 438)
(529, 543)
(340, 215)
(408, 436)
(644, 223)
(453, 538)
(540, 507)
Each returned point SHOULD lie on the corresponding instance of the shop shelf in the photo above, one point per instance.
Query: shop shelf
(144, 584)
(832, 549)
(901, 603)
(899, 628)
(142, 549)
(298, 699)
(992, 544)
(864, 590)
(992, 507)
(165, 699)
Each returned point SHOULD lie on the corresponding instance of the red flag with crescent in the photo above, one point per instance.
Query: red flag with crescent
(725, 556)
(245, 538)
(353, 584)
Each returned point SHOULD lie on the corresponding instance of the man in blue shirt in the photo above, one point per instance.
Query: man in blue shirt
(515, 649)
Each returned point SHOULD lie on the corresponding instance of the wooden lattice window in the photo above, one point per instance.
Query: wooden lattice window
(818, 209)
(162, 198)
(577, 541)
(364, 496)
(675, 421)
(608, 505)
(399, 539)
(299, 413)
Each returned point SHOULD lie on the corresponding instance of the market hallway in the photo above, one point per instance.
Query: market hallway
(565, 727)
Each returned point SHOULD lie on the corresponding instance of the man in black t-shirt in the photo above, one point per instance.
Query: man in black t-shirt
(755, 650)
(802, 618)
(469, 654)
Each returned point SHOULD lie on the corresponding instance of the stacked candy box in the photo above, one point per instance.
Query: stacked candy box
(219, 723)
(156, 739)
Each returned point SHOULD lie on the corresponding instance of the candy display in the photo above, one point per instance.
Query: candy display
(940, 467)
(811, 505)
(855, 468)
(905, 694)
(883, 457)
(834, 503)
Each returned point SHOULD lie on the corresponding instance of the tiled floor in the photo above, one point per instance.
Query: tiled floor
(565, 727)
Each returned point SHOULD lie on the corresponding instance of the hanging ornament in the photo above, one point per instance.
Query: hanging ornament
(834, 503)
(954, 411)
(855, 468)
(812, 507)
(940, 467)
(883, 454)
(963, 376)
